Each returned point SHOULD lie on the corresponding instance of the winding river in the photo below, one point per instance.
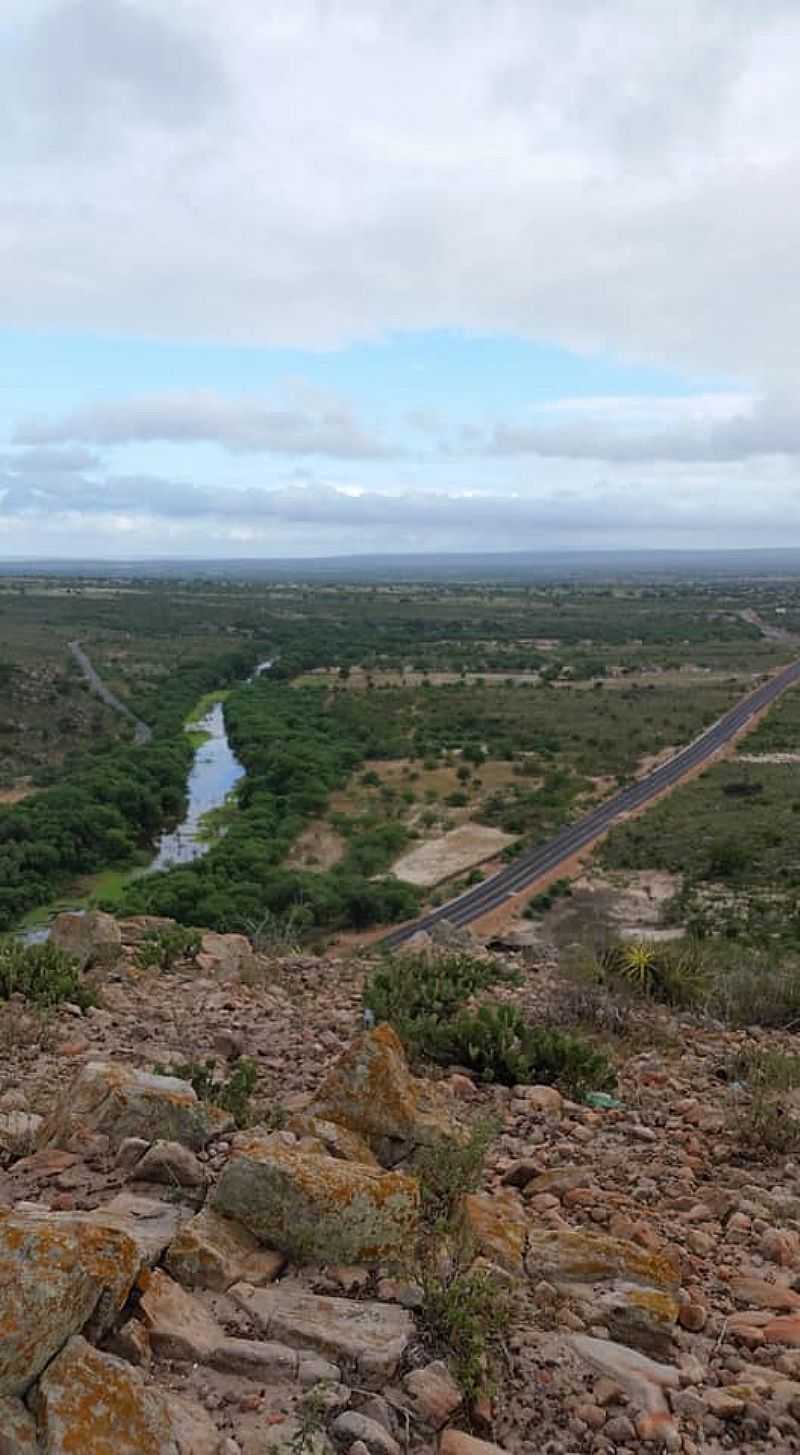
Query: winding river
(214, 773)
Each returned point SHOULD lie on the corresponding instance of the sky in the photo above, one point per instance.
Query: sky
(353, 276)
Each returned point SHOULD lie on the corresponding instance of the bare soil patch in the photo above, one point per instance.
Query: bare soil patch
(462, 848)
(317, 847)
(17, 793)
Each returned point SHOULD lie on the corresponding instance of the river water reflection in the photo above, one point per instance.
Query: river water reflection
(214, 772)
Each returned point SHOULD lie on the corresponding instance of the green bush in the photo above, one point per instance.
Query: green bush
(44, 974)
(232, 1095)
(498, 1044)
(465, 1318)
(160, 949)
(415, 993)
(449, 1170)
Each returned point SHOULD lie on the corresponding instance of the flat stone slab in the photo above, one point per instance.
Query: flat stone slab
(151, 1224)
(369, 1337)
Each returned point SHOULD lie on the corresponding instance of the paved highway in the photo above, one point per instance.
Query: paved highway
(547, 857)
(141, 732)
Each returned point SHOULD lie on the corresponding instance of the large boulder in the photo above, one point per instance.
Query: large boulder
(94, 1403)
(117, 1102)
(316, 1208)
(227, 957)
(57, 1274)
(371, 1091)
(92, 938)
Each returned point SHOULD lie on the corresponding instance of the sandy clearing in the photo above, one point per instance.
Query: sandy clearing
(441, 858)
(317, 847)
(17, 793)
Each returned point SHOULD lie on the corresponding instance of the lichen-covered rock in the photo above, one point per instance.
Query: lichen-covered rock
(150, 1223)
(316, 1208)
(631, 1290)
(337, 1140)
(498, 1229)
(89, 1403)
(563, 1254)
(93, 938)
(369, 1338)
(56, 1275)
(118, 1102)
(371, 1091)
(213, 1252)
(17, 1429)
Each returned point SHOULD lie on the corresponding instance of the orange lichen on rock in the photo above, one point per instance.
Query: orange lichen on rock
(315, 1207)
(371, 1092)
(56, 1275)
(90, 1403)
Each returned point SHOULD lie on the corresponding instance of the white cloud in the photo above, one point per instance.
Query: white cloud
(308, 425)
(610, 175)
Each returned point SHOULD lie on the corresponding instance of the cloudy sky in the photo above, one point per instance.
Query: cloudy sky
(354, 275)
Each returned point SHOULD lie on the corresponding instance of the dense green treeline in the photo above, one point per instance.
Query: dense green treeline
(108, 803)
(295, 755)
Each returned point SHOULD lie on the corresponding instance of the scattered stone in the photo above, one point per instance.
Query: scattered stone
(370, 1337)
(132, 1342)
(456, 1442)
(757, 1291)
(433, 1392)
(352, 1425)
(338, 1141)
(119, 1102)
(130, 1152)
(212, 1251)
(256, 1359)
(723, 1405)
(316, 1208)
(170, 1163)
(94, 1403)
(317, 1371)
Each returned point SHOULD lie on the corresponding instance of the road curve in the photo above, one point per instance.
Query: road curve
(141, 732)
(547, 857)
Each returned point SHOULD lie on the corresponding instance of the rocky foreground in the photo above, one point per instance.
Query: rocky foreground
(173, 1285)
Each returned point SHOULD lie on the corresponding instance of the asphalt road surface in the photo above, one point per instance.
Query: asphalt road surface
(141, 732)
(547, 857)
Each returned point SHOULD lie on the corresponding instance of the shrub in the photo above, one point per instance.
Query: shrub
(415, 993)
(498, 1044)
(232, 1095)
(44, 974)
(674, 974)
(161, 949)
(465, 1317)
(447, 1171)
